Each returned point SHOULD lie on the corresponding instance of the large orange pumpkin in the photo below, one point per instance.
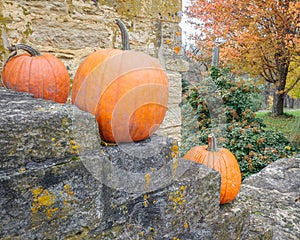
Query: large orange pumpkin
(223, 161)
(44, 76)
(127, 91)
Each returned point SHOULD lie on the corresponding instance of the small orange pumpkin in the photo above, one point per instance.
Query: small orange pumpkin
(44, 76)
(127, 91)
(223, 161)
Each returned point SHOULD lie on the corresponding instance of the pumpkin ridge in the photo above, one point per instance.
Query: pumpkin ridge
(203, 156)
(122, 98)
(77, 90)
(113, 81)
(222, 177)
(152, 131)
(29, 74)
(53, 70)
(27, 80)
(7, 73)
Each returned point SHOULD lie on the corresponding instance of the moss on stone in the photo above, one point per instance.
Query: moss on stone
(27, 31)
(3, 22)
(71, 6)
(159, 9)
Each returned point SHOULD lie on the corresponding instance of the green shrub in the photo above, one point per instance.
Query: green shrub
(225, 105)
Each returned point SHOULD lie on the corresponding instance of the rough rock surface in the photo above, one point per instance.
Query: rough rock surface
(58, 182)
(273, 199)
(80, 189)
(36, 131)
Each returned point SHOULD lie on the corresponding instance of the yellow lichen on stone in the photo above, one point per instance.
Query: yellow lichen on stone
(67, 188)
(146, 202)
(148, 181)
(182, 188)
(185, 225)
(36, 192)
(175, 150)
(69, 199)
(42, 201)
(175, 166)
(75, 147)
(51, 211)
(178, 199)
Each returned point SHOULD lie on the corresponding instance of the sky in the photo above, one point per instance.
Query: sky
(187, 28)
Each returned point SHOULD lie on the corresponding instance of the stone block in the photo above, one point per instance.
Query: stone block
(34, 130)
(272, 197)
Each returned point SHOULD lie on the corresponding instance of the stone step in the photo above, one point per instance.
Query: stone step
(58, 182)
(35, 130)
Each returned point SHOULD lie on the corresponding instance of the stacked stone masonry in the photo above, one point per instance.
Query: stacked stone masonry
(58, 182)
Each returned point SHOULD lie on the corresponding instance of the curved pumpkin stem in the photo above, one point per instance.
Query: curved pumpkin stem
(15, 48)
(125, 36)
(26, 48)
(212, 143)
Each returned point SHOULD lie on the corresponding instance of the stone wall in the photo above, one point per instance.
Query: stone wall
(75, 28)
(58, 182)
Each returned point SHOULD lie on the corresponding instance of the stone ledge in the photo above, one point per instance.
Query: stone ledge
(37, 130)
(137, 190)
(271, 197)
(49, 191)
(67, 200)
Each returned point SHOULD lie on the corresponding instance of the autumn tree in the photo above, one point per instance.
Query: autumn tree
(258, 37)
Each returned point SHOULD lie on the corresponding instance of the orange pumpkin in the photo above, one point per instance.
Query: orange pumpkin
(44, 76)
(127, 91)
(223, 161)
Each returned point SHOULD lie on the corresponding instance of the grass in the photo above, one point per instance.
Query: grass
(288, 124)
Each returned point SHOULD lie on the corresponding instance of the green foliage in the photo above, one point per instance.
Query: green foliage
(224, 105)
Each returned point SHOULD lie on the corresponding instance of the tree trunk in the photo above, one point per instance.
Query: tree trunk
(278, 103)
(279, 94)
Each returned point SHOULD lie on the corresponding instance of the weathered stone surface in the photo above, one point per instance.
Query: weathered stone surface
(175, 95)
(128, 191)
(137, 190)
(171, 125)
(34, 130)
(273, 199)
(65, 200)
(177, 65)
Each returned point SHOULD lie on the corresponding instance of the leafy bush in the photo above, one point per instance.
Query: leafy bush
(225, 105)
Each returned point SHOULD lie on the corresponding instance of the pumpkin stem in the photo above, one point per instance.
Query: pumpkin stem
(14, 49)
(30, 50)
(124, 33)
(212, 143)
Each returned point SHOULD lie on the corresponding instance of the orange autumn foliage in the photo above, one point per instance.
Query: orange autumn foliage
(261, 38)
